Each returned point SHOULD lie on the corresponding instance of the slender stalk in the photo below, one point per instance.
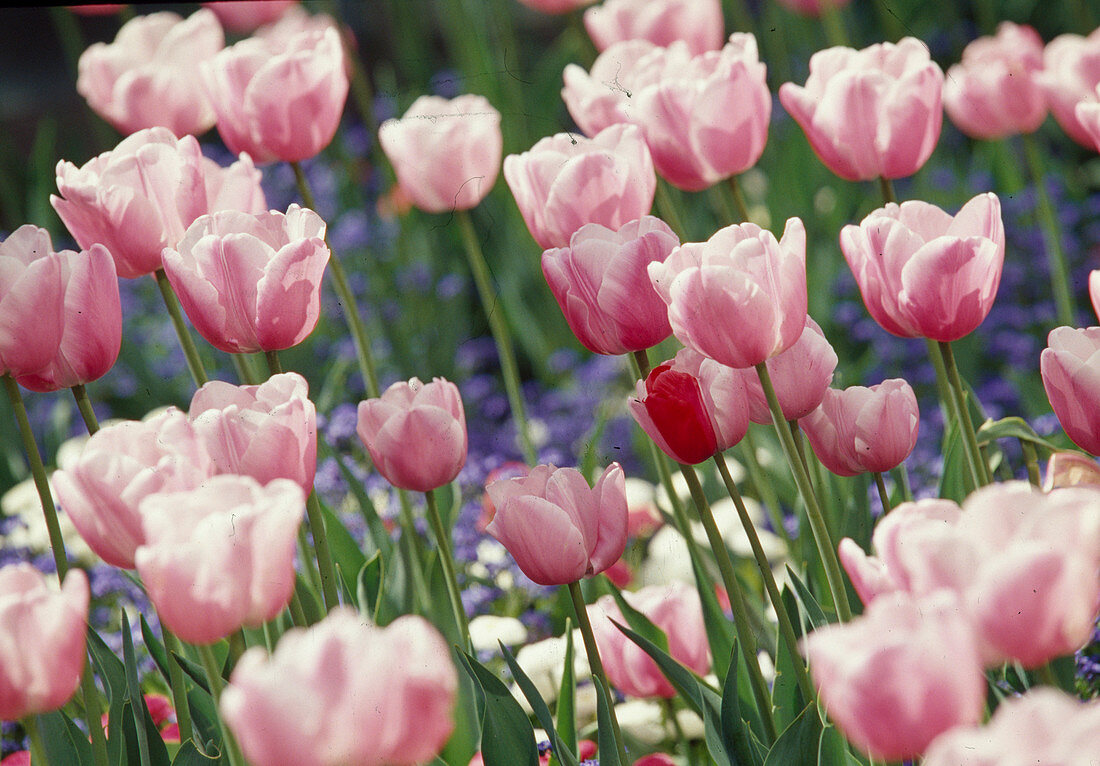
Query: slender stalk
(951, 409)
(274, 366)
(1052, 238)
(38, 750)
(966, 425)
(738, 198)
(243, 365)
(833, 24)
(737, 601)
(901, 476)
(309, 563)
(498, 326)
(886, 187)
(786, 629)
(238, 643)
(410, 538)
(1031, 458)
(187, 343)
(343, 291)
(825, 547)
(883, 495)
(667, 210)
(176, 681)
(594, 662)
(84, 405)
(214, 678)
(669, 710)
(741, 15)
(764, 489)
(297, 611)
(321, 549)
(641, 359)
(442, 539)
(1045, 675)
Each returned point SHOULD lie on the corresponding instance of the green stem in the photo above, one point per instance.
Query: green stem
(594, 662)
(738, 199)
(825, 547)
(178, 684)
(886, 187)
(309, 563)
(641, 359)
(883, 495)
(966, 425)
(669, 710)
(901, 476)
(410, 539)
(343, 291)
(274, 366)
(243, 365)
(187, 343)
(1056, 257)
(442, 539)
(94, 712)
(736, 598)
(951, 409)
(84, 404)
(764, 489)
(297, 611)
(498, 326)
(833, 24)
(1031, 458)
(214, 678)
(786, 629)
(667, 210)
(321, 549)
(238, 644)
(38, 751)
(741, 16)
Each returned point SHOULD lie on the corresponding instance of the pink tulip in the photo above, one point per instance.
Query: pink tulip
(1088, 117)
(565, 181)
(655, 759)
(602, 286)
(864, 429)
(236, 187)
(446, 154)
(118, 467)
(899, 676)
(870, 113)
(149, 75)
(1043, 726)
(279, 102)
(1022, 564)
(1071, 469)
(415, 433)
(556, 6)
(994, 92)
(588, 526)
(604, 96)
(245, 15)
(1094, 291)
(691, 407)
(220, 557)
(296, 19)
(812, 7)
(675, 609)
(32, 301)
(1071, 74)
(698, 23)
(740, 297)
(267, 431)
(924, 273)
(363, 695)
(42, 640)
(800, 375)
(251, 282)
(1070, 365)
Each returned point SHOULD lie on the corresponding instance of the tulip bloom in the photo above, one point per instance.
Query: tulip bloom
(603, 96)
(740, 297)
(149, 76)
(415, 433)
(924, 273)
(564, 182)
(556, 6)
(1071, 469)
(446, 154)
(141, 196)
(279, 102)
(691, 407)
(899, 676)
(119, 466)
(864, 429)
(1071, 74)
(1022, 564)
(251, 282)
(267, 431)
(244, 16)
(675, 609)
(42, 640)
(1068, 365)
(697, 23)
(1042, 726)
(32, 299)
(220, 557)
(556, 527)
(602, 286)
(800, 375)
(361, 694)
(870, 113)
(995, 92)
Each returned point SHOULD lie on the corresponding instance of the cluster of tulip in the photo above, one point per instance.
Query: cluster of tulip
(286, 640)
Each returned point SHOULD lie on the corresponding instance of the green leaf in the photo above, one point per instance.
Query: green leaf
(787, 699)
(204, 718)
(507, 738)
(189, 755)
(639, 622)
(345, 551)
(379, 535)
(718, 626)
(151, 749)
(833, 750)
(1012, 428)
(64, 743)
(798, 744)
(540, 708)
(812, 609)
(567, 697)
(113, 673)
(156, 649)
(609, 749)
(194, 671)
(955, 481)
(735, 733)
(689, 685)
(368, 586)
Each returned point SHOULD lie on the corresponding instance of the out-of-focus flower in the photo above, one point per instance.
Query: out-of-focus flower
(556, 6)
(149, 75)
(487, 629)
(812, 7)
(697, 23)
(1071, 469)
(1071, 74)
(246, 15)
(870, 113)
(1070, 366)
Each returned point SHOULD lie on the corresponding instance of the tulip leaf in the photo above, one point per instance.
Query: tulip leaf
(156, 649)
(64, 743)
(204, 717)
(639, 622)
(690, 686)
(150, 747)
(787, 699)
(955, 481)
(814, 613)
(567, 697)
(833, 750)
(189, 755)
(798, 744)
(1012, 428)
(368, 586)
(563, 753)
(718, 626)
(194, 671)
(507, 738)
(345, 551)
(113, 673)
(379, 535)
(735, 733)
(609, 749)
(311, 605)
